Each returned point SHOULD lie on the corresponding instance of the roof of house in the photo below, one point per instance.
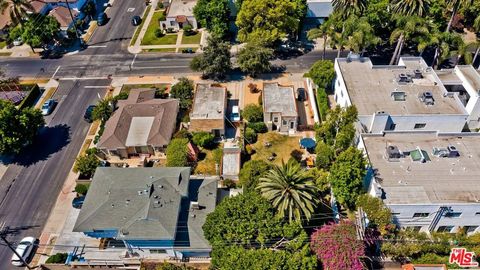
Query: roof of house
(319, 8)
(209, 102)
(181, 8)
(148, 204)
(63, 16)
(140, 120)
(371, 87)
(280, 99)
(459, 75)
(407, 180)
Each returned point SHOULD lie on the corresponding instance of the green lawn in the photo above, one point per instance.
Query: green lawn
(163, 50)
(3, 44)
(208, 159)
(150, 39)
(5, 53)
(137, 31)
(128, 87)
(283, 146)
(194, 39)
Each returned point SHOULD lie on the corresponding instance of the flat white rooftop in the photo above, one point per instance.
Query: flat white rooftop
(438, 180)
(371, 88)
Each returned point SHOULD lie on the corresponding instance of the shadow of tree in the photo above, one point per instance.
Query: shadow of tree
(49, 141)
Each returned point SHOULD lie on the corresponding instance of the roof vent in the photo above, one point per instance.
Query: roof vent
(417, 74)
(393, 152)
(194, 206)
(452, 151)
(427, 98)
(140, 193)
(404, 78)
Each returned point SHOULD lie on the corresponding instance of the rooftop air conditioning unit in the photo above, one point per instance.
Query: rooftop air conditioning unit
(452, 151)
(417, 74)
(427, 98)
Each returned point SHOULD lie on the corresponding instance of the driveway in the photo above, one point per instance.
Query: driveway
(29, 187)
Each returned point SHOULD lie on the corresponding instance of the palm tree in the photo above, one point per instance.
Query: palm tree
(407, 28)
(291, 190)
(410, 7)
(360, 34)
(345, 9)
(325, 30)
(18, 9)
(445, 49)
(456, 5)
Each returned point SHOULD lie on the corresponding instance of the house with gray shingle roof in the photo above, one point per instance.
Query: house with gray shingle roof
(158, 209)
(142, 124)
(279, 108)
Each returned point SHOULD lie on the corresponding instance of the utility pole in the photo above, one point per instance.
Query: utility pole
(74, 24)
(3, 234)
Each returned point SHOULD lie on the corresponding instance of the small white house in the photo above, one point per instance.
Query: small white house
(180, 14)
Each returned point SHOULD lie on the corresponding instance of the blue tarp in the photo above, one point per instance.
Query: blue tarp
(308, 143)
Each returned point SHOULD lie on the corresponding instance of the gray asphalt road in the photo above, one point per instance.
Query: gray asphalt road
(30, 186)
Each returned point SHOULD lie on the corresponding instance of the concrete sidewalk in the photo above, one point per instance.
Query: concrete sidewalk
(136, 47)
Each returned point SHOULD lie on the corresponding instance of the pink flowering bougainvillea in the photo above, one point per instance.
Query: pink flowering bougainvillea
(337, 246)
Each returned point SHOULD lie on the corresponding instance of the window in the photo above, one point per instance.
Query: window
(341, 93)
(172, 23)
(453, 214)
(275, 119)
(419, 125)
(416, 215)
(292, 125)
(285, 122)
(395, 214)
(446, 229)
(157, 251)
(470, 229)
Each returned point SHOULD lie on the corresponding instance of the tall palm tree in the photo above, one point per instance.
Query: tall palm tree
(360, 34)
(345, 9)
(18, 9)
(407, 28)
(450, 44)
(291, 190)
(325, 30)
(456, 5)
(410, 7)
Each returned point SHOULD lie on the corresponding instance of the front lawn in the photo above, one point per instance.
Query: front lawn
(150, 39)
(161, 50)
(208, 159)
(194, 39)
(3, 44)
(139, 28)
(127, 87)
(283, 146)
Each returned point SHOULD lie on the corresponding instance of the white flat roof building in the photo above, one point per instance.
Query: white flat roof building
(430, 181)
(405, 97)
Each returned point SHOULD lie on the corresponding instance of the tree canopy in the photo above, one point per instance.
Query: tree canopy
(183, 91)
(377, 212)
(346, 176)
(322, 73)
(337, 246)
(177, 153)
(213, 15)
(281, 20)
(252, 113)
(86, 165)
(251, 172)
(18, 127)
(215, 60)
(40, 30)
(254, 59)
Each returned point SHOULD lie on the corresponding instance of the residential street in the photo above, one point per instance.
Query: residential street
(30, 186)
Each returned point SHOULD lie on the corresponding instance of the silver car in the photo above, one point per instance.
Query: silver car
(24, 249)
(48, 106)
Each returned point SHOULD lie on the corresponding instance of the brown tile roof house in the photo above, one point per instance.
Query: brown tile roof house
(140, 125)
(63, 16)
(209, 107)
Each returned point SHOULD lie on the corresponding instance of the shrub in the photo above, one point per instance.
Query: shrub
(250, 135)
(183, 90)
(203, 139)
(217, 155)
(253, 88)
(81, 189)
(322, 103)
(170, 30)
(161, 92)
(259, 127)
(378, 214)
(253, 113)
(182, 134)
(159, 5)
(177, 153)
(86, 165)
(159, 33)
(121, 96)
(229, 183)
(188, 30)
(250, 149)
(57, 258)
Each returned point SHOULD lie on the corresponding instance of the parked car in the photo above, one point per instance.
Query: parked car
(51, 54)
(18, 41)
(188, 50)
(235, 115)
(301, 94)
(25, 249)
(48, 107)
(88, 113)
(78, 202)
(102, 19)
(136, 20)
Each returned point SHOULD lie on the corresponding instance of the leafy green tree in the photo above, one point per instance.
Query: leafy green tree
(250, 135)
(325, 155)
(215, 60)
(410, 7)
(251, 172)
(40, 30)
(213, 15)
(177, 153)
(349, 7)
(246, 219)
(378, 214)
(86, 165)
(254, 59)
(18, 9)
(359, 34)
(252, 113)
(455, 5)
(291, 191)
(258, 127)
(379, 16)
(322, 73)
(338, 130)
(325, 30)
(322, 103)
(203, 139)
(103, 110)
(81, 189)
(346, 176)
(281, 20)
(18, 127)
(183, 91)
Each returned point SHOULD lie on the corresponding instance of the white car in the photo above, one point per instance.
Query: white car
(24, 249)
(235, 115)
(18, 42)
(48, 106)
